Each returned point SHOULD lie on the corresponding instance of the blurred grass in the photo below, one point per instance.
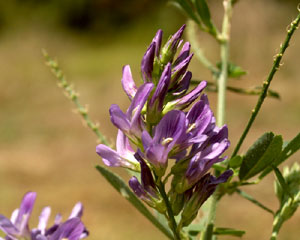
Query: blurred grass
(44, 148)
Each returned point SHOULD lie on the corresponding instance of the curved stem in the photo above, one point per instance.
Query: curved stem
(172, 222)
(293, 26)
(73, 97)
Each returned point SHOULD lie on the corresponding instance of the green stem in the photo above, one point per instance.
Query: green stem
(266, 84)
(251, 199)
(74, 97)
(171, 219)
(222, 80)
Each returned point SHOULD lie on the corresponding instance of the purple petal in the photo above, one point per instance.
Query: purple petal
(118, 118)
(223, 177)
(174, 40)
(180, 69)
(71, 230)
(128, 83)
(146, 139)
(25, 212)
(7, 227)
(184, 53)
(215, 150)
(123, 147)
(147, 62)
(157, 155)
(191, 96)
(161, 89)
(146, 175)
(157, 39)
(183, 85)
(137, 187)
(77, 211)
(134, 111)
(171, 126)
(43, 219)
(200, 115)
(111, 158)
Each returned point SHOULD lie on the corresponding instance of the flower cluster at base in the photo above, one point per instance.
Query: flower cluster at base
(164, 132)
(17, 227)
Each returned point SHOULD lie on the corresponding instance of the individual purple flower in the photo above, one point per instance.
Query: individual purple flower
(146, 190)
(187, 99)
(158, 39)
(180, 69)
(17, 227)
(199, 117)
(170, 48)
(123, 157)
(167, 133)
(181, 86)
(201, 191)
(155, 105)
(131, 123)
(147, 63)
(72, 229)
(203, 156)
(128, 82)
(184, 53)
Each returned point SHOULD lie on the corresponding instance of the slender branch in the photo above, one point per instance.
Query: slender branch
(293, 26)
(222, 80)
(212, 87)
(172, 222)
(191, 34)
(251, 199)
(73, 97)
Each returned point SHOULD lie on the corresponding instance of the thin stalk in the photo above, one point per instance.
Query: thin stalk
(276, 64)
(253, 200)
(222, 80)
(171, 218)
(73, 97)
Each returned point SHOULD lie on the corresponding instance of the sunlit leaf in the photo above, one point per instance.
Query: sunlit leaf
(204, 13)
(125, 191)
(260, 155)
(288, 150)
(186, 6)
(234, 71)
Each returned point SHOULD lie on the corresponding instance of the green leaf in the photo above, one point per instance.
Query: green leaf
(187, 8)
(260, 155)
(204, 13)
(289, 149)
(124, 190)
(235, 162)
(229, 231)
(234, 71)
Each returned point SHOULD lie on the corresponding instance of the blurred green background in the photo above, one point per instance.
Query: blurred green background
(45, 148)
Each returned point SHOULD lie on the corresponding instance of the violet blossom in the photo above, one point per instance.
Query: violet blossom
(161, 130)
(17, 226)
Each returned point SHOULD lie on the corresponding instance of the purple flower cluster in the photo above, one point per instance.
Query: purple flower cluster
(159, 126)
(17, 228)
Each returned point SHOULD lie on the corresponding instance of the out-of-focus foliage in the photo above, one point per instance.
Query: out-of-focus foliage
(78, 14)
